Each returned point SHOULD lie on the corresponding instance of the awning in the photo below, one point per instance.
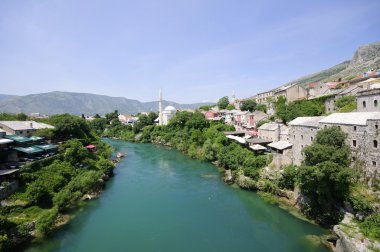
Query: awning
(236, 138)
(18, 138)
(257, 147)
(5, 141)
(7, 171)
(35, 138)
(280, 145)
(46, 147)
(234, 133)
(29, 150)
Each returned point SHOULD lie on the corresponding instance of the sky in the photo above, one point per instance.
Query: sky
(194, 50)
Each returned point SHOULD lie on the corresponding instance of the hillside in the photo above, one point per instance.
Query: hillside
(78, 103)
(365, 58)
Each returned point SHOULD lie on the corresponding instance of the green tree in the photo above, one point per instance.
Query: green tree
(230, 107)
(223, 102)
(261, 107)
(69, 126)
(248, 104)
(346, 103)
(325, 176)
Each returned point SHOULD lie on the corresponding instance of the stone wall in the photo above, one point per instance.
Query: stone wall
(368, 101)
(300, 137)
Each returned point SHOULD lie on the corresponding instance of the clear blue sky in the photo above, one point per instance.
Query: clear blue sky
(195, 50)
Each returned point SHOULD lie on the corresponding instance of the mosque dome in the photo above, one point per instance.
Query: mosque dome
(170, 108)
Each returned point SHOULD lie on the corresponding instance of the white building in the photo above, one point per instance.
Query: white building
(167, 114)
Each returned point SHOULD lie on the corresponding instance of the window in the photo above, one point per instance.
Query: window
(364, 104)
(294, 136)
(374, 163)
(353, 158)
(375, 143)
(376, 126)
(20, 132)
(354, 128)
(302, 137)
(311, 138)
(354, 143)
(301, 146)
(375, 103)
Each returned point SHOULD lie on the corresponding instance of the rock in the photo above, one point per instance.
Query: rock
(350, 237)
(228, 178)
(246, 182)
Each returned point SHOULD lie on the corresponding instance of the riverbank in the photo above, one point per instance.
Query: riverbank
(51, 191)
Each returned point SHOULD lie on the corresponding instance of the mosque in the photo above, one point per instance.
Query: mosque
(166, 114)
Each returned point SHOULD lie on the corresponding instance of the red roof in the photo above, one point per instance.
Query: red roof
(312, 85)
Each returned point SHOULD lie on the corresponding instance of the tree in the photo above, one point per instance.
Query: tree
(230, 107)
(205, 107)
(69, 126)
(346, 103)
(325, 177)
(48, 134)
(223, 102)
(261, 107)
(248, 104)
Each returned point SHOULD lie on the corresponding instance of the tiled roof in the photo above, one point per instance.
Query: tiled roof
(310, 121)
(353, 118)
(280, 145)
(25, 125)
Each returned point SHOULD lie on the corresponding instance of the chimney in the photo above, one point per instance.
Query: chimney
(31, 125)
(279, 132)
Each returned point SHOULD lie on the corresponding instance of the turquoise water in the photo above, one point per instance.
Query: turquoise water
(161, 200)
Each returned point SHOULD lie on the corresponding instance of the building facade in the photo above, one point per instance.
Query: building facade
(302, 131)
(368, 100)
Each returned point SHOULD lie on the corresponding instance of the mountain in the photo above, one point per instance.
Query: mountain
(80, 103)
(366, 57)
(4, 97)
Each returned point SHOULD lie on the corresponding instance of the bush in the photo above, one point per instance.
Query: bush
(288, 178)
(370, 227)
(46, 222)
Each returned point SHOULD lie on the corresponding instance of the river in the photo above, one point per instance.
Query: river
(161, 200)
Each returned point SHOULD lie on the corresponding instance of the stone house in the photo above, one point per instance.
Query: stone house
(264, 97)
(292, 93)
(271, 131)
(302, 131)
(363, 137)
(24, 128)
(368, 100)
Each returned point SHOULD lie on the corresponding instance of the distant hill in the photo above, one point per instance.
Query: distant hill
(80, 103)
(365, 58)
(4, 97)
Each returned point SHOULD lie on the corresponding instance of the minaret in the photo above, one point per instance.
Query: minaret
(160, 108)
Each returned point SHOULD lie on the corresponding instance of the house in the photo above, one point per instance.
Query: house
(264, 97)
(282, 153)
(302, 131)
(212, 115)
(363, 137)
(229, 117)
(271, 131)
(322, 89)
(291, 92)
(368, 100)
(24, 128)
